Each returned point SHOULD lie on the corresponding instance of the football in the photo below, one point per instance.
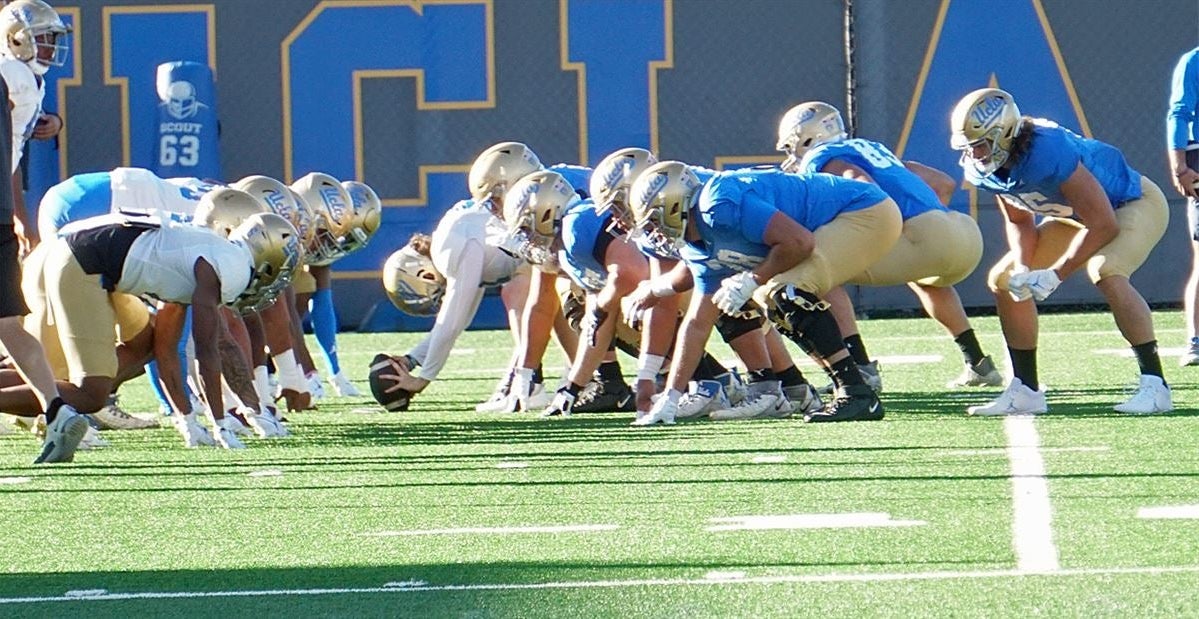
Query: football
(396, 401)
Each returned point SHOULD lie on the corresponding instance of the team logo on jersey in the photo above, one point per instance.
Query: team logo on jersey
(181, 102)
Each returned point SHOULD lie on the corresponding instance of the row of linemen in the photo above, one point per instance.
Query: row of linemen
(764, 252)
(128, 258)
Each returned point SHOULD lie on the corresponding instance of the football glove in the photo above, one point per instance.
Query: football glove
(563, 402)
(1017, 284)
(1042, 283)
(734, 292)
(522, 386)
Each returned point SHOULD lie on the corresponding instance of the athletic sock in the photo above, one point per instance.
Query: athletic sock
(791, 377)
(1024, 367)
(1148, 359)
(857, 349)
(757, 376)
(845, 372)
(972, 352)
(52, 410)
(609, 371)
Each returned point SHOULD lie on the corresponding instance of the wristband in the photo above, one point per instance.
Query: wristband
(661, 287)
(648, 366)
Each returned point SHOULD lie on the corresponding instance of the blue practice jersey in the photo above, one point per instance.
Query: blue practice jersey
(578, 176)
(1034, 182)
(909, 191)
(735, 207)
(79, 197)
(1182, 121)
(583, 228)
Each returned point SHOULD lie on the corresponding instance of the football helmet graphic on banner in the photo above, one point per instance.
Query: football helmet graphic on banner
(35, 35)
(496, 169)
(982, 127)
(367, 215)
(281, 200)
(612, 178)
(332, 213)
(274, 245)
(413, 283)
(660, 200)
(805, 126)
(224, 208)
(533, 210)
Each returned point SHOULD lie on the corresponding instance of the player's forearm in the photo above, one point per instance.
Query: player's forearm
(457, 310)
(1178, 161)
(1083, 247)
(237, 373)
(689, 347)
(205, 333)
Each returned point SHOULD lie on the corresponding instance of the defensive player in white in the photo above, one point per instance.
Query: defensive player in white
(35, 39)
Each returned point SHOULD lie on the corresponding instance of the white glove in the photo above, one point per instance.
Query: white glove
(563, 403)
(634, 306)
(522, 386)
(734, 292)
(1042, 283)
(1017, 284)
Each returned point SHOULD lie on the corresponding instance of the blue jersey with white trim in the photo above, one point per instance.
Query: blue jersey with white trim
(582, 227)
(735, 207)
(910, 192)
(1034, 182)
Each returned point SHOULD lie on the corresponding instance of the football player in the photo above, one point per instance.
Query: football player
(1095, 212)
(35, 39)
(938, 249)
(1182, 150)
(794, 237)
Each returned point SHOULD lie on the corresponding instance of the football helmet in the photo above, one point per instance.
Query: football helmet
(612, 178)
(281, 200)
(660, 201)
(533, 211)
(274, 245)
(224, 208)
(367, 215)
(181, 99)
(805, 126)
(35, 35)
(498, 168)
(982, 127)
(413, 283)
(332, 213)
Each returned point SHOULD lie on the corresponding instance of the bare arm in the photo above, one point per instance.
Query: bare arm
(790, 244)
(1086, 196)
(692, 339)
(626, 268)
(942, 183)
(168, 328)
(234, 364)
(1020, 227)
(206, 331)
(538, 318)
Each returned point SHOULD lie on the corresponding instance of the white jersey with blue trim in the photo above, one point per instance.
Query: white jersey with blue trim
(25, 94)
(161, 263)
(140, 191)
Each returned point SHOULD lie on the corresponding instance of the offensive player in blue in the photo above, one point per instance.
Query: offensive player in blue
(794, 237)
(938, 249)
(1095, 212)
(1182, 149)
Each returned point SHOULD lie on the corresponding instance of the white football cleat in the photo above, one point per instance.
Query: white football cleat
(734, 386)
(1152, 396)
(343, 387)
(539, 399)
(803, 398)
(764, 400)
(1191, 355)
(984, 374)
(225, 436)
(111, 417)
(92, 440)
(702, 397)
(1016, 399)
(63, 436)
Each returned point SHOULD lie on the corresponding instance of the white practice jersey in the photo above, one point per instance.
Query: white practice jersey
(161, 263)
(464, 251)
(137, 190)
(467, 222)
(25, 92)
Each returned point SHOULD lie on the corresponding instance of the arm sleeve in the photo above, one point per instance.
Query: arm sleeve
(1184, 100)
(464, 292)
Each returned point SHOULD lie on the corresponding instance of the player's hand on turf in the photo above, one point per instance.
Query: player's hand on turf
(522, 387)
(563, 402)
(734, 292)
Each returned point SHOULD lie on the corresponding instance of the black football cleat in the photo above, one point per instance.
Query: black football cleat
(852, 403)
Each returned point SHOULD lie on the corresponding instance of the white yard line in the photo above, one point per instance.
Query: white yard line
(1032, 518)
(1003, 452)
(809, 521)
(609, 584)
(1169, 512)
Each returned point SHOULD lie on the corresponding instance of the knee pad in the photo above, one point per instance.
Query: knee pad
(733, 327)
(805, 319)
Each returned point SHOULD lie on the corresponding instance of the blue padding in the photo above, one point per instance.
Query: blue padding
(186, 142)
(384, 317)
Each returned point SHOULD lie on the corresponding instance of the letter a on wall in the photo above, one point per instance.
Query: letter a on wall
(976, 44)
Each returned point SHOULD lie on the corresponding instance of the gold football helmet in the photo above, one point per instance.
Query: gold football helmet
(497, 169)
(612, 178)
(281, 200)
(533, 211)
(413, 283)
(660, 201)
(982, 126)
(35, 35)
(367, 215)
(274, 245)
(806, 125)
(332, 214)
(224, 208)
